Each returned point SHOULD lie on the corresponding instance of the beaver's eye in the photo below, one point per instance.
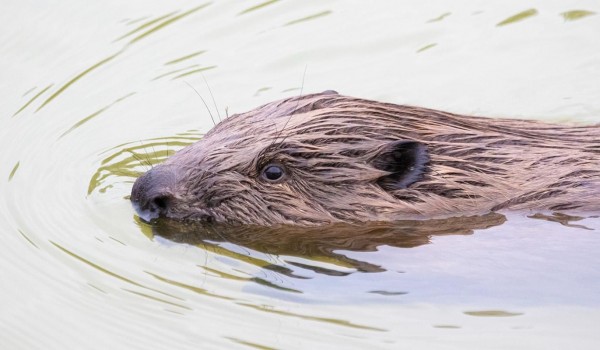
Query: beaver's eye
(272, 173)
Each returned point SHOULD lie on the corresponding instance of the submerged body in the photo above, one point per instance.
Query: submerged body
(326, 158)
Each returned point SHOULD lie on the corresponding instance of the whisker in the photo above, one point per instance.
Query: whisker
(141, 161)
(212, 96)
(154, 152)
(291, 114)
(205, 105)
(146, 155)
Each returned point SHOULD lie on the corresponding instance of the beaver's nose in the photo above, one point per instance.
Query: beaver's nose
(152, 194)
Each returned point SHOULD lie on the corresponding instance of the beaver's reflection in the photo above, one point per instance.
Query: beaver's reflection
(323, 243)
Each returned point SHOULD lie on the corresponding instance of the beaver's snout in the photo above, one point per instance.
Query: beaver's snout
(153, 193)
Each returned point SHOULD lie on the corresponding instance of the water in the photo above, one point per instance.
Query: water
(91, 92)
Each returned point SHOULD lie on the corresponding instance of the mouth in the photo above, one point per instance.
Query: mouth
(148, 215)
(202, 217)
(151, 214)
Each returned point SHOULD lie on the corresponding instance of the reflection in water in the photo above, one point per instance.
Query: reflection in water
(518, 17)
(194, 71)
(257, 7)
(32, 99)
(13, 171)
(144, 30)
(561, 218)
(132, 159)
(146, 25)
(576, 14)
(193, 66)
(168, 20)
(492, 313)
(95, 114)
(308, 18)
(313, 318)
(439, 18)
(426, 47)
(323, 243)
(186, 57)
(77, 77)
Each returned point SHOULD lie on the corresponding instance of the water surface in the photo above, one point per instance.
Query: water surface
(92, 93)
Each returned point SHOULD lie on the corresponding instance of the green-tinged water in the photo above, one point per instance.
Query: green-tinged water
(94, 93)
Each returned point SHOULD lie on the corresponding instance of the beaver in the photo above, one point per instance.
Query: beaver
(324, 158)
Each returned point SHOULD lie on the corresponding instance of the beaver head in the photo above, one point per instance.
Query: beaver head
(326, 158)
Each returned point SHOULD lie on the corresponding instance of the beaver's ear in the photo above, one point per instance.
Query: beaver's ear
(405, 160)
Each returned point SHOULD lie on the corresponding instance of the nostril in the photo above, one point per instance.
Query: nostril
(160, 202)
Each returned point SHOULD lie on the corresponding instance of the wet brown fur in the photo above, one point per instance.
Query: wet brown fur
(327, 144)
